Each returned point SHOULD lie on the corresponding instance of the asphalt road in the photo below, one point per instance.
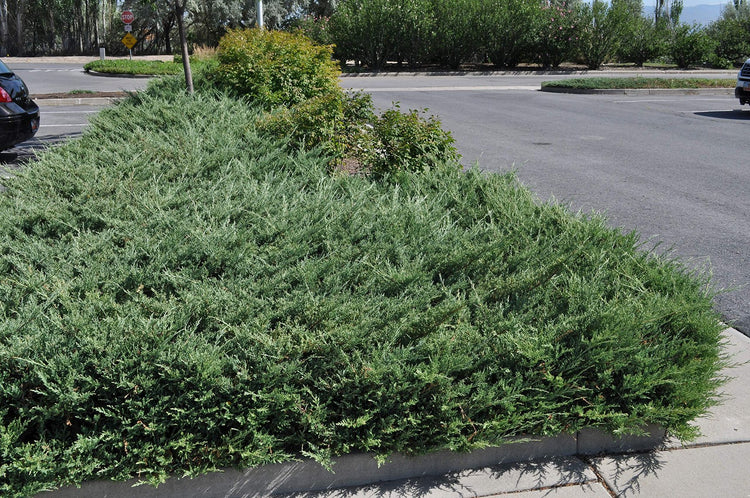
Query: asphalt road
(46, 77)
(674, 168)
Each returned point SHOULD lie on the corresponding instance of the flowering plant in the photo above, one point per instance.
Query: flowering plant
(557, 33)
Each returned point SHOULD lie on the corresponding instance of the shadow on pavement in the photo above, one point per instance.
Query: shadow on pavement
(733, 114)
(627, 469)
(508, 478)
(27, 151)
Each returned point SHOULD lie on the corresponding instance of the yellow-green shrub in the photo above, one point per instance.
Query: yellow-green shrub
(275, 68)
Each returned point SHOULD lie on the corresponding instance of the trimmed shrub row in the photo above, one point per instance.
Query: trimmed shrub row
(510, 32)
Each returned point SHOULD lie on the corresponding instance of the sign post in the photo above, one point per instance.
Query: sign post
(259, 12)
(128, 40)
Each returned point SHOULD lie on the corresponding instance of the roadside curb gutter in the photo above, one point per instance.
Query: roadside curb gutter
(362, 469)
(640, 91)
(77, 101)
(122, 75)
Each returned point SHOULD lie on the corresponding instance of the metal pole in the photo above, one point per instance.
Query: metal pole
(259, 9)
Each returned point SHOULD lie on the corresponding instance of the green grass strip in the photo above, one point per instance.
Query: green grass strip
(134, 67)
(639, 83)
(179, 294)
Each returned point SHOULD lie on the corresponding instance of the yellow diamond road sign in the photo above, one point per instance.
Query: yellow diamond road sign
(129, 40)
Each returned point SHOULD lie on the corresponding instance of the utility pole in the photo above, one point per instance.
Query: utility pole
(259, 10)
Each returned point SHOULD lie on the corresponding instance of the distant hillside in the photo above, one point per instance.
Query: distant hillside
(701, 14)
(698, 14)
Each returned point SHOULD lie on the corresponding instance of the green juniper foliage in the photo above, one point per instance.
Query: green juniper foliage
(191, 296)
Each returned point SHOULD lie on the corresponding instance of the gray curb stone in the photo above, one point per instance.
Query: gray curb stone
(641, 91)
(78, 101)
(362, 469)
(119, 75)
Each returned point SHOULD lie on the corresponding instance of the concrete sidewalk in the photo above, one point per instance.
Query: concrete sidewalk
(586, 464)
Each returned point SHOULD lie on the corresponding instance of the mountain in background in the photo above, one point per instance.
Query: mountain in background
(695, 14)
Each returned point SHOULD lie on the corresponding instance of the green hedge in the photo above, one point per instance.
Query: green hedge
(507, 33)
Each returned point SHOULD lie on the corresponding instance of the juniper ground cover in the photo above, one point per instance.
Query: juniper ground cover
(190, 295)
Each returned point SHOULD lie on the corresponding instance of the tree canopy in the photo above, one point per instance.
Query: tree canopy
(52, 27)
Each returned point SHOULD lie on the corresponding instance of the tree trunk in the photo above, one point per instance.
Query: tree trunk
(3, 27)
(179, 10)
(20, 6)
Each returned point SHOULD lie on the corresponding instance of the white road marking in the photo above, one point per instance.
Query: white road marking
(665, 101)
(52, 70)
(453, 88)
(69, 112)
(62, 125)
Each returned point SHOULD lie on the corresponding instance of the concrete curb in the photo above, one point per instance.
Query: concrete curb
(77, 101)
(362, 469)
(641, 91)
(122, 75)
(546, 72)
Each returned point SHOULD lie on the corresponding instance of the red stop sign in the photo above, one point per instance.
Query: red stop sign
(127, 17)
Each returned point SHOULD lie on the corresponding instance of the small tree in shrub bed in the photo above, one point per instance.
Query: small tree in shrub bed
(408, 142)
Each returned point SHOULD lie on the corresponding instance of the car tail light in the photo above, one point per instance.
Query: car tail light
(4, 97)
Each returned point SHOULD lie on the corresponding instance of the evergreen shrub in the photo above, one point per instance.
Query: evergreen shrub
(410, 142)
(275, 68)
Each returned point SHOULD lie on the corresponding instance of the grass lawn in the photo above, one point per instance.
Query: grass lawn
(180, 294)
(639, 83)
(134, 67)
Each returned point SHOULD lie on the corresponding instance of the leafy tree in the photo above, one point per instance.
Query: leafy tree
(643, 40)
(690, 45)
(210, 19)
(363, 31)
(456, 34)
(508, 28)
(731, 33)
(602, 26)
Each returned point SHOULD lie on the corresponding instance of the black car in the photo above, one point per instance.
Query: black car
(19, 115)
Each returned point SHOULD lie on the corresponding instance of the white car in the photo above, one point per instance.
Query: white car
(742, 90)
